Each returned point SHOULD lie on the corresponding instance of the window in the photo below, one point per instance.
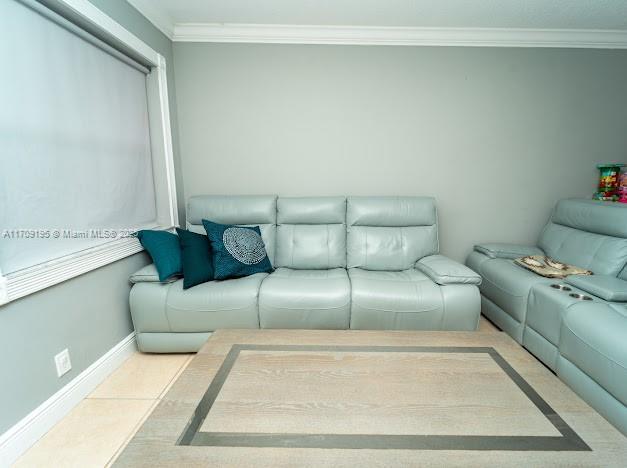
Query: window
(85, 155)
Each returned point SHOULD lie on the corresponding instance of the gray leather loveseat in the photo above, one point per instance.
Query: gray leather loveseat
(356, 262)
(583, 340)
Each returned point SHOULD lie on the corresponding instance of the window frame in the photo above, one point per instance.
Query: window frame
(37, 277)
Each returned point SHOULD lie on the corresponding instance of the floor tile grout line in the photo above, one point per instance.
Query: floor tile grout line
(157, 400)
(128, 434)
(132, 433)
(116, 370)
(152, 407)
(154, 401)
(159, 396)
(177, 374)
(123, 398)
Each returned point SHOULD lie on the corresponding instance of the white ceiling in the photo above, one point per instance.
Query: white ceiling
(579, 15)
(535, 14)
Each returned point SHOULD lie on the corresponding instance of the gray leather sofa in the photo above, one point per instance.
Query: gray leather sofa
(583, 341)
(356, 262)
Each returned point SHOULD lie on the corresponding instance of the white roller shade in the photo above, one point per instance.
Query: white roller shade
(74, 141)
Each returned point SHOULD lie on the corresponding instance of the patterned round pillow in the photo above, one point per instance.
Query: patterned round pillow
(244, 245)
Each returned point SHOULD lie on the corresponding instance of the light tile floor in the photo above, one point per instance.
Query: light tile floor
(97, 429)
(100, 426)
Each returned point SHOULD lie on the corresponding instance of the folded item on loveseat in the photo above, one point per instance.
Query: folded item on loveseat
(549, 267)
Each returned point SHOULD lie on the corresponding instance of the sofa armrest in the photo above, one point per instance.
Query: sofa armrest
(605, 287)
(443, 271)
(148, 274)
(511, 251)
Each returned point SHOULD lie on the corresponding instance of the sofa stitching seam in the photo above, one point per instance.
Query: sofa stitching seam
(308, 308)
(292, 244)
(211, 310)
(395, 311)
(328, 247)
(442, 320)
(165, 308)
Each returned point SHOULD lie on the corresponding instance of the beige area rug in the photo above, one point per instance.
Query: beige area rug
(348, 398)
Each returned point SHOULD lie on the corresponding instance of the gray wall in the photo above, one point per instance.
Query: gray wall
(497, 135)
(88, 315)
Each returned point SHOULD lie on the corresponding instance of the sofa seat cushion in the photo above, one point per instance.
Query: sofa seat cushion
(394, 300)
(292, 298)
(507, 285)
(208, 306)
(594, 338)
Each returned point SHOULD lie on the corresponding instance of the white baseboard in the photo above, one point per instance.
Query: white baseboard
(30, 429)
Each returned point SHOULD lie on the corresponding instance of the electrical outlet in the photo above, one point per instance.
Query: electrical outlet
(63, 363)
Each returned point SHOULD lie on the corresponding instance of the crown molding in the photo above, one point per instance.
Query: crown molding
(362, 35)
(159, 18)
(375, 35)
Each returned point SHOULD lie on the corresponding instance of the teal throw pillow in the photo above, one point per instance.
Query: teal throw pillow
(237, 250)
(164, 248)
(196, 258)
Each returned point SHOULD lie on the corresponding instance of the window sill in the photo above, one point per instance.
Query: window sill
(30, 280)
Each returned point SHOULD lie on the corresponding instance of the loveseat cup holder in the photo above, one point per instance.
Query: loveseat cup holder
(581, 297)
(561, 287)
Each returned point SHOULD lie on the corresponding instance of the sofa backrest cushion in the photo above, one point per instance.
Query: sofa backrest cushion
(588, 234)
(390, 233)
(311, 233)
(243, 210)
